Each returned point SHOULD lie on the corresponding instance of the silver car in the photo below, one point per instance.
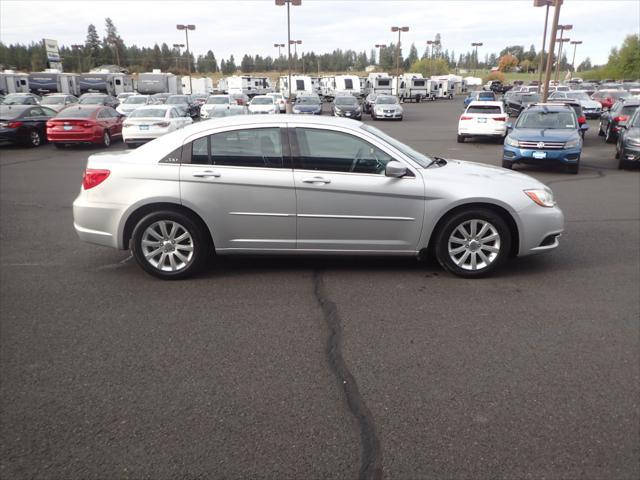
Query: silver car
(292, 184)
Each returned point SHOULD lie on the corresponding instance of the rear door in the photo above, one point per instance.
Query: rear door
(240, 181)
(344, 200)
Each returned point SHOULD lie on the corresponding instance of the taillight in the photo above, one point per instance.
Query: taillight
(582, 120)
(161, 124)
(500, 119)
(13, 124)
(464, 117)
(87, 124)
(93, 177)
(621, 118)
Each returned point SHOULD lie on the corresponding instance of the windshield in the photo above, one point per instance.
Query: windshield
(262, 101)
(386, 100)
(417, 157)
(148, 112)
(308, 100)
(92, 100)
(176, 100)
(635, 121)
(578, 95)
(554, 120)
(346, 101)
(52, 101)
(135, 100)
(218, 101)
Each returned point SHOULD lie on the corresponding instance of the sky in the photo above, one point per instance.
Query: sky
(253, 26)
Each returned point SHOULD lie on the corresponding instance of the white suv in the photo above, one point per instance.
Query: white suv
(483, 119)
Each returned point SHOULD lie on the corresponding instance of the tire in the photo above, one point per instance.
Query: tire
(106, 139)
(617, 152)
(573, 169)
(460, 139)
(608, 136)
(487, 234)
(34, 138)
(507, 164)
(172, 263)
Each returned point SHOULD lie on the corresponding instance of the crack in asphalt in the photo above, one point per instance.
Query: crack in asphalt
(371, 464)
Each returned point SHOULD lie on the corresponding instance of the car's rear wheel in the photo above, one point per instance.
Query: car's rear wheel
(460, 139)
(34, 139)
(473, 243)
(106, 139)
(169, 245)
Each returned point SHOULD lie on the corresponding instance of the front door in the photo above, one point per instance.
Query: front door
(344, 200)
(241, 183)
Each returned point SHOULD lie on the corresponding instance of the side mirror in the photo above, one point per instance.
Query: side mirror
(395, 169)
(584, 127)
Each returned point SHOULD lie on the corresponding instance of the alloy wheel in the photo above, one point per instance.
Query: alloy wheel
(34, 138)
(474, 244)
(167, 246)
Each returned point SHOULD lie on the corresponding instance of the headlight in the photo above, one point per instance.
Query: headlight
(296, 110)
(337, 110)
(634, 142)
(572, 143)
(379, 109)
(511, 141)
(542, 196)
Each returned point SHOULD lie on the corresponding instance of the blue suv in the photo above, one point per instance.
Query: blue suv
(543, 134)
(479, 95)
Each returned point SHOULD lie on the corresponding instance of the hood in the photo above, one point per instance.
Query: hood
(392, 106)
(545, 134)
(307, 108)
(590, 104)
(215, 106)
(475, 173)
(347, 108)
(261, 108)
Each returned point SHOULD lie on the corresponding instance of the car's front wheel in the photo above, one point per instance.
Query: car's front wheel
(169, 245)
(473, 243)
(106, 139)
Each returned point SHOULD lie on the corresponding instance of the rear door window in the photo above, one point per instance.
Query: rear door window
(256, 147)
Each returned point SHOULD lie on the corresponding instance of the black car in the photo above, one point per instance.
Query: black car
(21, 99)
(24, 124)
(346, 106)
(184, 104)
(308, 104)
(517, 102)
(369, 101)
(496, 86)
(610, 120)
(99, 99)
(628, 145)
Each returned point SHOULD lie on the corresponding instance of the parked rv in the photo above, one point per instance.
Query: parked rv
(410, 87)
(379, 83)
(202, 85)
(156, 81)
(300, 84)
(245, 84)
(54, 81)
(107, 83)
(331, 86)
(12, 82)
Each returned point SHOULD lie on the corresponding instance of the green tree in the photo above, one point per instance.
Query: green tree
(92, 45)
(428, 67)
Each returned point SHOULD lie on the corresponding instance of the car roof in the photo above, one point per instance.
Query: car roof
(487, 103)
(16, 107)
(83, 106)
(559, 106)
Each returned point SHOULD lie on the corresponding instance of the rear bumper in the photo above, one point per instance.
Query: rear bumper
(74, 137)
(569, 156)
(478, 131)
(97, 223)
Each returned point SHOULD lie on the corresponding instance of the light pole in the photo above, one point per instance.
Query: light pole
(289, 3)
(380, 46)
(295, 44)
(399, 30)
(186, 29)
(542, 3)
(429, 43)
(178, 46)
(476, 45)
(575, 44)
(552, 47)
(78, 47)
(279, 46)
(561, 41)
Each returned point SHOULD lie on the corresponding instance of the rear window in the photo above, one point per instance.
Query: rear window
(486, 95)
(383, 82)
(75, 113)
(418, 83)
(299, 84)
(148, 112)
(489, 109)
(629, 109)
(348, 84)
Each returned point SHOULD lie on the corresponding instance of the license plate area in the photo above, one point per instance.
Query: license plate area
(482, 120)
(144, 127)
(67, 127)
(539, 155)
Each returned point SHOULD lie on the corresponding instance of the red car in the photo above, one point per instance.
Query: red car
(85, 124)
(608, 97)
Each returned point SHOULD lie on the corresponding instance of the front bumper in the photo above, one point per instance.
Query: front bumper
(569, 156)
(384, 114)
(630, 153)
(592, 113)
(540, 229)
(349, 115)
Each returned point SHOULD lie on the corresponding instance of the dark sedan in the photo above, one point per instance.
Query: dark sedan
(184, 104)
(628, 146)
(308, 104)
(619, 113)
(346, 106)
(517, 102)
(24, 124)
(99, 99)
(21, 99)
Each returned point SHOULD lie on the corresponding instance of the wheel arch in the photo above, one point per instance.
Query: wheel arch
(503, 212)
(143, 210)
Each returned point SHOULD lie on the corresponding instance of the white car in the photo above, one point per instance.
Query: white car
(132, 102)
(280, 100)
(58, 101)
(216, 103)
(483, 119)
(151, 121)
(263, 104)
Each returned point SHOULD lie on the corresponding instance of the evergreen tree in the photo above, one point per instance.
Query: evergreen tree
(92, 45)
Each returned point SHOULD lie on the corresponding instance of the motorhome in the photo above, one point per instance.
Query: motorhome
(300, 84)
(330, 85)
(102, 82)
(156, 81)
(54, 81)
(378, 83)
(12, 82)
(200, 85)
(410, 87)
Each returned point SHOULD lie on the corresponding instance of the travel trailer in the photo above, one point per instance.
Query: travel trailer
(245, 84)
(315, 83)
(158, 82)
(12, 82)
(53, 81)
(378, 83)
(101, 82)
(300, 84)
(200, 85)
(446, 87)
(410, 87)
(331, 85)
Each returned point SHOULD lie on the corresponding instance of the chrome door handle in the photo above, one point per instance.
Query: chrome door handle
(316, 180)
(206, 173)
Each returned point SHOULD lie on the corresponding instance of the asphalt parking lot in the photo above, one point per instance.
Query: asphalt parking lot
(320, 368)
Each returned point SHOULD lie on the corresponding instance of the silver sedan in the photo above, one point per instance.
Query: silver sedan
(291, 184)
